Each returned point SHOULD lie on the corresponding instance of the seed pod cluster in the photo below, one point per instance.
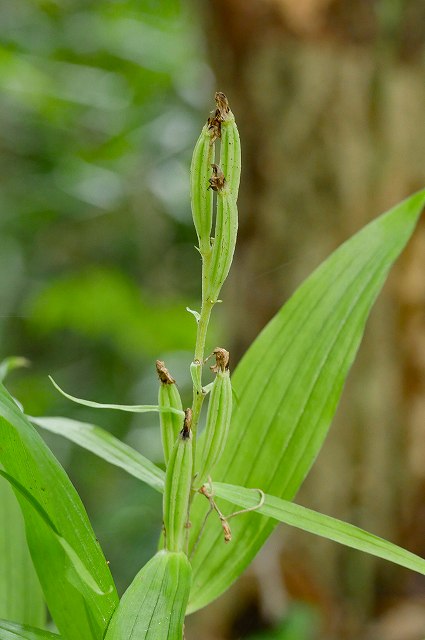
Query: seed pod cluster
(178, 481)
(217, 256)
(168, 397)
(218, 417)
(225, 182)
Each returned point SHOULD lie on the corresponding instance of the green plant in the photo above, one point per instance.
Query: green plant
(264, 427)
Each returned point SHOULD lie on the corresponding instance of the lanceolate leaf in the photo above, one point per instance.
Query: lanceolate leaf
(154, 605)
(288, 386)
(14, 631)
(21, 598)
(78, 611)
(77, 572)
(319, 524)
(132, 408)
(276, 508)
(106, 446)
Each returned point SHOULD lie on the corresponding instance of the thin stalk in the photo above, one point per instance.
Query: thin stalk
(201, 335)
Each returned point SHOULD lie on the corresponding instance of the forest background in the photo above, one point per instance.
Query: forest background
(101, 102)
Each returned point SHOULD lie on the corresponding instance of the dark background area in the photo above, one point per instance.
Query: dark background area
(101, 103)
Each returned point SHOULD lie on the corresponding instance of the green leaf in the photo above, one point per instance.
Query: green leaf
(282, 510)
(132, 408)
(106, 446)
(21, 598)
(288, 385)
(14, 631)
(77, 610)
(154, 605)
(319, 524)
(77, 566)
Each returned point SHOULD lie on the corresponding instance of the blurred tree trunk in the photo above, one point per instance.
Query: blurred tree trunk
(329, 96)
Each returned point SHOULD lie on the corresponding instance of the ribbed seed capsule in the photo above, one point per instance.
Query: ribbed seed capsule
(218, 418)
(168, 396)
(226, 229)
(178, 481)
(201, 196)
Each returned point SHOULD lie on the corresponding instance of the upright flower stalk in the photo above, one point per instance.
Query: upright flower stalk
(214, 182)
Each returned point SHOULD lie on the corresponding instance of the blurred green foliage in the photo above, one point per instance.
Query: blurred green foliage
(105, 304)
(101, 102)
(300, 623)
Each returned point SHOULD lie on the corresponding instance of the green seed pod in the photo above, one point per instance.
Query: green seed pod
(218, 418)
(226, 229)
(168, 396)
(178, 481)
(230, 149)
(201, 196)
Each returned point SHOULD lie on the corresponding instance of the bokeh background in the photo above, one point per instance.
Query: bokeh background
(101, 102)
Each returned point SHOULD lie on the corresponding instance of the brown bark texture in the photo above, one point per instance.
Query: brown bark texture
(329, 96)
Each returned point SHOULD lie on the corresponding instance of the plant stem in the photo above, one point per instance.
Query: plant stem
(201, 335)
(204, 319)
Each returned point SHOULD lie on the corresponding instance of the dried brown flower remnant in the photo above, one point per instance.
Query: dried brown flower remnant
(222, 106)
(227, 531)
(225, 525)
(163, 373)
(217, 180)
(220, 114)
(221, 360)
(214, 125)
(187, 424)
